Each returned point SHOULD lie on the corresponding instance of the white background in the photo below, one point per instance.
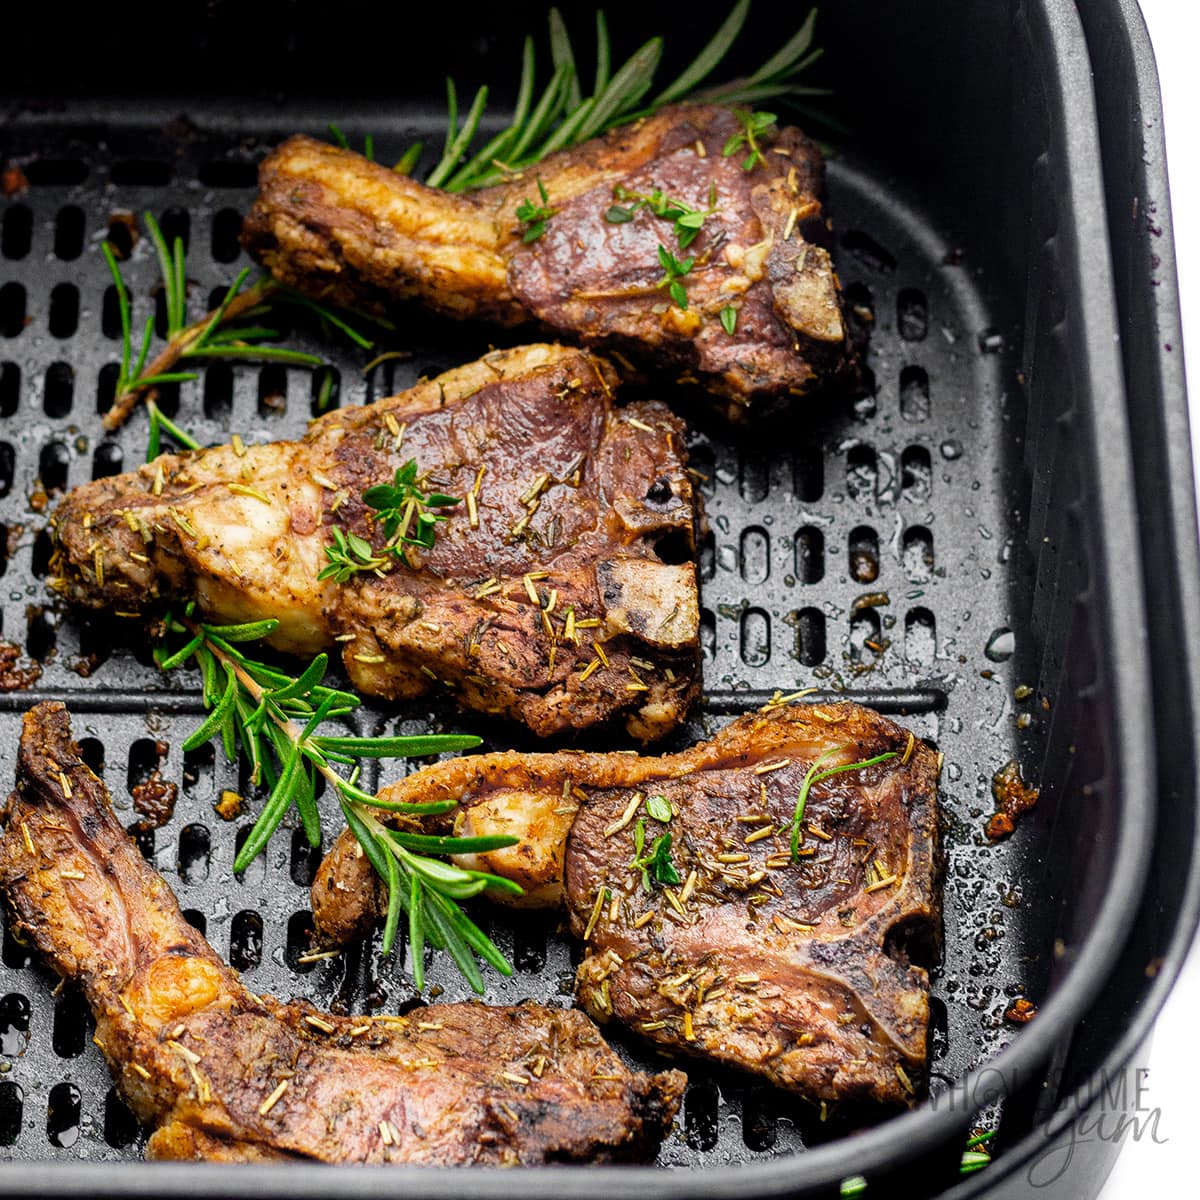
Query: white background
(1145, 1170)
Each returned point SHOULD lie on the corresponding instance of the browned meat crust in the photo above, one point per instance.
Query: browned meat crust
(341, 228)
(795, 970)
(580, 533)
(226, 1074)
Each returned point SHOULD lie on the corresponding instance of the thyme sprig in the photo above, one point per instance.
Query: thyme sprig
(673, 271)
(657, 861)
(561, 115)
(277, 720)
(398, 504)
(217, 335)
(349, 554)
(815, 775)
(688, 221)
(534, 216)
(754, 125)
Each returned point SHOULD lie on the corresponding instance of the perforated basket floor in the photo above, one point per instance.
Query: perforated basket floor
(869, 553)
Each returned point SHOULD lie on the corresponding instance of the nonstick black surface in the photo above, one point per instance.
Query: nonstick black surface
(889, 521)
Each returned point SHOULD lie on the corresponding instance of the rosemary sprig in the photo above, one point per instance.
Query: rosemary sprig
(215, 336)
(815, 775)
(561, 115)
(276, 720)
(673, 272)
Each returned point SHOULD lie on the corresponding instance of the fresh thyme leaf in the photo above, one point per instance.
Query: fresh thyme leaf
(754, 126)
(658, 861)
(618, 215)
(348, 555)
(535, 216)
(659, 807)
(815, 775)
(729, 317)
(673, 272)
(276, 720)
(688, 221)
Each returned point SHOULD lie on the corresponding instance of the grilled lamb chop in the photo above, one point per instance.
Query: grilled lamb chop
(338, 227)
(545, 595)
(225, 1074)
(795, 970)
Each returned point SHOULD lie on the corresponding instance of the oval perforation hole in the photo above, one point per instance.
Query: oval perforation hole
(708, 556)
(529, 944)
(195, 853)
(755, 555)
(54, 463)
(12, 310)
(708, 634)
(160, 312)
(143, 838)
(15, 1015)
(17, 234)
(916, 478)
(245, 940)
(72, 1024)
(109, 459)
(865, 632)
(218, 392)
(863, 554)
(862, 472)
(56, 172)
(755, 637)
(91, 750)
(120, 1125)
(197, 920)
(912, 315)
(41, 635)
(861, 304)
(8, 466)
(703, 468)
(256, 869)
(146, 756)
(914, 394)
(300, 931)
(176, 223)
(221, 174)
(141, 172)
(43, 551)
(810, 636)
(700, 1116)
(4, 536)
(62, 1115)
(754, 478)
(10, 388)
(920, 637)
(226, 229)
(106, 386)
(326, 390)
(64, 310)
(68, 233)
(305, 859)
(12, 953)
(272, 390)
(808, 474)
(758, 1119)
(122, 234)
(198, 765)
(917, 554)
(110, 312)
(59, 392)
(12, 1112)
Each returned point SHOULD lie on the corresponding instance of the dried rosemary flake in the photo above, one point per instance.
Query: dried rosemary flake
(239, 447)
(590, 670)
(600, 654)
(879, 884)
(72, 874)
(908, 749)
(240, 489)
(767, 767)
(757, 836)
(323, 481)
(627, 816)
(319, 1024)
(640, 425)
(817, 832)
(644, 919)
(596, 910)
(273, 1099)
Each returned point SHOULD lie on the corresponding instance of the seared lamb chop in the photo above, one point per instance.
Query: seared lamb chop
(545, 595)
(723, 945)
(222, 1073)
(334, 225)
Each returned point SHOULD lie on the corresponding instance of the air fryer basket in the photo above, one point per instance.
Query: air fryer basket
(982, 485)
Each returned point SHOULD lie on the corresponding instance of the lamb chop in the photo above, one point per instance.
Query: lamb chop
(701, 928)
(559, 589)
(222, 1073)
(761, 321)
